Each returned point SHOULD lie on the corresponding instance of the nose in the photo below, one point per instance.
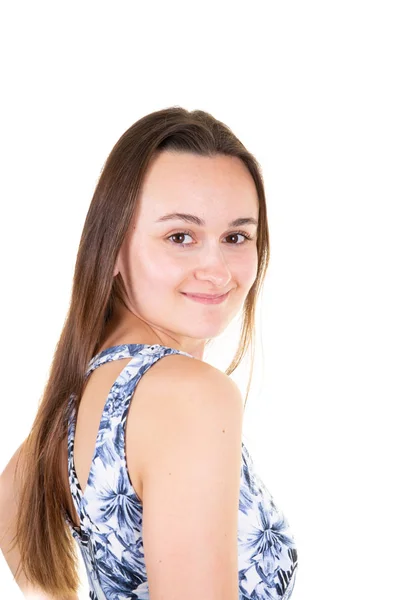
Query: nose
(212, 266)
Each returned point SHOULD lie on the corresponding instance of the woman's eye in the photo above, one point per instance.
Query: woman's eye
(244, 235)
(181, 234)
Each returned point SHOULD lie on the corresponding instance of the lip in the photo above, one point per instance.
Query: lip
(206, 298)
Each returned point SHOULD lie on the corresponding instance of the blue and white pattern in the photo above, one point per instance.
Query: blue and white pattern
(110, 511)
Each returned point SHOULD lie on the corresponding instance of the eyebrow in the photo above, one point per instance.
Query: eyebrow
(197, 221)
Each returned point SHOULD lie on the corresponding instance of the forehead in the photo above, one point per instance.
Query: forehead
(175, 182)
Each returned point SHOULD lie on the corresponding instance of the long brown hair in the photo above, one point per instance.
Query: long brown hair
(47, 548)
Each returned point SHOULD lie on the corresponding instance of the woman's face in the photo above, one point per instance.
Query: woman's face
(164, 257)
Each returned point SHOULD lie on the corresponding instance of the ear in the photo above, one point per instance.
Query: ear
(116, 267)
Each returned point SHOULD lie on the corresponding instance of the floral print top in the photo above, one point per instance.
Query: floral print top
(110, 511)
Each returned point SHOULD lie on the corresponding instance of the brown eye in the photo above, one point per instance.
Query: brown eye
(242, 233)
(180, 234)
(234, 235)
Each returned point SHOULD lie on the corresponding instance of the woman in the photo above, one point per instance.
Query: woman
(147, 471)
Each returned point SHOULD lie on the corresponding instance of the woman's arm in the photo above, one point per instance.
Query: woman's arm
(8, 515)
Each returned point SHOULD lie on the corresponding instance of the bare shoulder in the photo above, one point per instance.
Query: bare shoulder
(186, 383)
(175, 368)
(191, 414)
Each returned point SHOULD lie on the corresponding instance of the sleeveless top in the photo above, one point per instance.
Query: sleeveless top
(110, 511)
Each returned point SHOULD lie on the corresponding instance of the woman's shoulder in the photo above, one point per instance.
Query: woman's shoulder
(181, 382)
(180, 370)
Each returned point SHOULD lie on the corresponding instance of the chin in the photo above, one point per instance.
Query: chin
(207, 332)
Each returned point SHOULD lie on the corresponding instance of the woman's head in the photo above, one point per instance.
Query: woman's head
(211, 250)
(175, 161)
(169, 161)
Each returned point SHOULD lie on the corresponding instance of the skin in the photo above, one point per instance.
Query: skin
(156, 268)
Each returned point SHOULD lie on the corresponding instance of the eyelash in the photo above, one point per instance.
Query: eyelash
(245, 235)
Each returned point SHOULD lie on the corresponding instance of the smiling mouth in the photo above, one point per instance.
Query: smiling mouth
(205, 295)
(207, 299)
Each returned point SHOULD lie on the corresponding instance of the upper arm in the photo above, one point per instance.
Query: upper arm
(8, 508)
(191, 483)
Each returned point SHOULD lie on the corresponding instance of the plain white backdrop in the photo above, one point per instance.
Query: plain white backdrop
(312, 89)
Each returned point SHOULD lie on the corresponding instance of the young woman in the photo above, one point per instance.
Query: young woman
(136, 451)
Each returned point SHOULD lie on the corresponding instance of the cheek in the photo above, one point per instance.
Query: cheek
(252, 274)
(244, 268)
(159, 268)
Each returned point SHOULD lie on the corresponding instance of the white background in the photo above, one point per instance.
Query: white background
(312, 89)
